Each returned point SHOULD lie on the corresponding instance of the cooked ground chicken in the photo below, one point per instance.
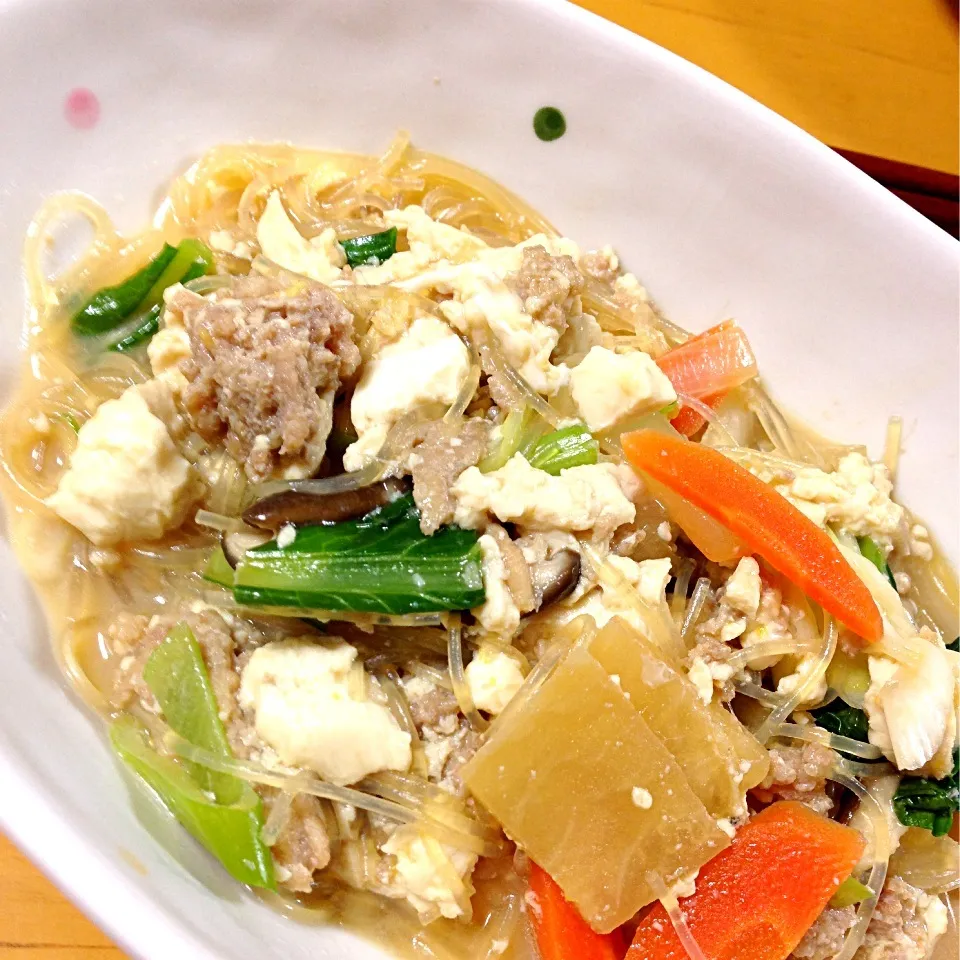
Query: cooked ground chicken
(303, 846)
(906, 924)
(433, 707)
(267, 359)
(714, 652)
(549, 287)
(601, 265)
(825, 938)
(800, 773)
(440, 452)
(465, 743)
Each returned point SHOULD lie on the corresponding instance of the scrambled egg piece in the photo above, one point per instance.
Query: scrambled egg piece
(609, 386)
(307, 711)
(126, 479)
(426, 365)
(320, 258)
(482, 300)
(499, 613)
(855, 497)
(430, 875)
(494, 678)
(428, 240)
(598, 497)
(452, 262)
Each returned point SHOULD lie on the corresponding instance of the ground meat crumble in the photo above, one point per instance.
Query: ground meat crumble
(267, 358)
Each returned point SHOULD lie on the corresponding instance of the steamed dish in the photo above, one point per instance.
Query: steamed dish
(443, 589)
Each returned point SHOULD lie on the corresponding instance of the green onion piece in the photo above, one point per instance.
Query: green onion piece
(193, 259)
(69, 419)
(870, 550)
(178, 679)
(572, 446)
(127, 314)
(670, 410)
(849, 892)
(843, 720)
(519, 427)
(381, 563)
(231, 832)
(929, 804)
(112, 305)
(372, 249)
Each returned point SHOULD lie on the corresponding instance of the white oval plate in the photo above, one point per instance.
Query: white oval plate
(723, 208)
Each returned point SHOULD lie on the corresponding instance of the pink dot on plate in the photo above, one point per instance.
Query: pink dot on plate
(82, 108)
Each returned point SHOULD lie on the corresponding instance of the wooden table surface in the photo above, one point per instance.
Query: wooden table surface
(877, 78)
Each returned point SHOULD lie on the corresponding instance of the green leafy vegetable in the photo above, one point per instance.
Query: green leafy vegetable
(381, 563)
(372, 249)
(193, 260)
(955, 646)
(231, 832)
(223, 812)
(218, 570)
(849, 892)
(870, 549)
(561, 449)
(843, 720)
(129, 313)
(929, 804)
(69, 419)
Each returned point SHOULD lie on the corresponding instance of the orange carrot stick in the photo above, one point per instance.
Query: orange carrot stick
(763, 519)
(757, 898)
(688, 421)
(707, 367)
(562, 934)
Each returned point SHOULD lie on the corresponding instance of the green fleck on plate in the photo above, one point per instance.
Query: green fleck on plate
(549, 123)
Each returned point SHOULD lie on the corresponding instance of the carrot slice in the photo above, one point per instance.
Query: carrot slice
(707, 367)
(757, 898)
(688, 421)
(562, 934)
(763, 519)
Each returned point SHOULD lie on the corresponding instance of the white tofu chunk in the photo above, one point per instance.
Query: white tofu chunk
(742, 589)
(320, 258)
(430, 875)
(499, 613)
(126, 479)
(426, 365)
(597, 497)
(609, 386)
(494, 678)
(306, 710)
(169, 347)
